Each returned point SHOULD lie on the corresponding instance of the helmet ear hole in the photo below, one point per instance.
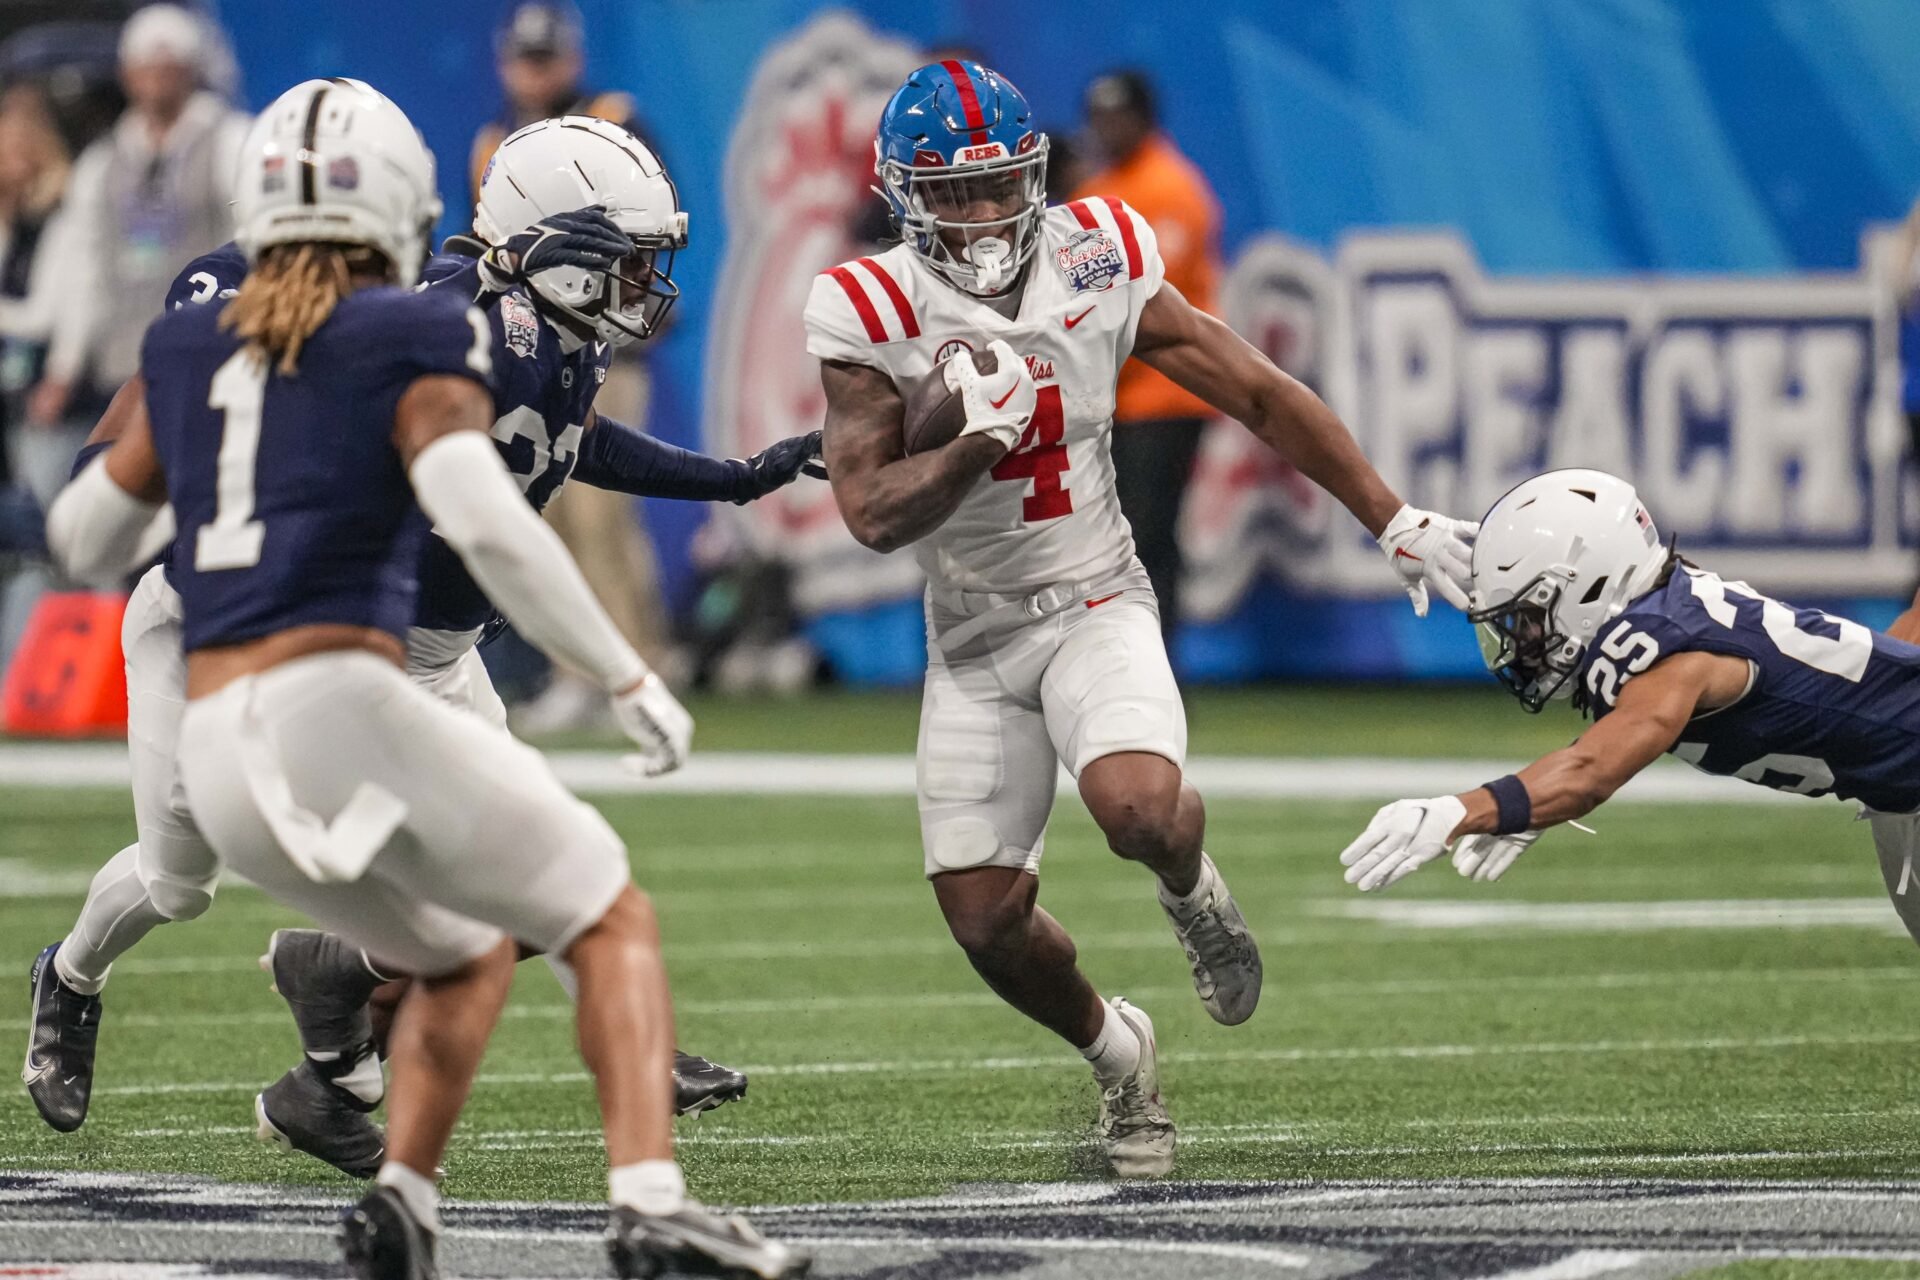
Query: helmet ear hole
(1593, 592)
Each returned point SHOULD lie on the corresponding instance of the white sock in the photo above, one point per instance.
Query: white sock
(651, 1186)
(416, 1191)
(1115, 1052)
(1201, 890)
(117, 914)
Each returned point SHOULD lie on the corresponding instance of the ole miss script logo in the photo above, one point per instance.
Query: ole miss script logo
(1090, 260)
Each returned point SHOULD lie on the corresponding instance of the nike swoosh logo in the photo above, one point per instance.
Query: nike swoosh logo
(1398, 552)
(1074, 320)
(1003, 399)
(1094, 604)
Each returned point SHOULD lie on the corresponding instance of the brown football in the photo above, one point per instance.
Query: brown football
(936, 414)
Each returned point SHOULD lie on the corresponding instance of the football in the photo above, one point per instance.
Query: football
(936, 414)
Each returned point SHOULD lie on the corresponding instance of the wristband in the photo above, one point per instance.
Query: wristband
(1514, 804)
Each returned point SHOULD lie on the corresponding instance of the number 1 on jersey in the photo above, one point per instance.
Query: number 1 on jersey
(1042, 458)
(232, 540)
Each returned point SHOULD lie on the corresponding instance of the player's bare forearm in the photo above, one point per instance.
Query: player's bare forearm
(887, 498)
(1647, 719)
(128, 403)
(1218, 365)
(1907, 626)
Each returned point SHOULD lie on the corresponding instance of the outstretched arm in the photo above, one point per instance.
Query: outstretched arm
(887, 498)
(1647, 719)
(627, 460)
(1207, 358)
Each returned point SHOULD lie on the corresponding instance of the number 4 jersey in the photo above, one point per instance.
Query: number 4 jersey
(289, 495)
(1832, 708)
(1047, 512)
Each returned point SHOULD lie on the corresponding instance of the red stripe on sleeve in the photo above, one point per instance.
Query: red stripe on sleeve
(1084, 214)
(969, 100)
(1127, 238)
(876, 332)
(908, 325)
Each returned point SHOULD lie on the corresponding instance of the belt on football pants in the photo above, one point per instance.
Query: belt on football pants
(1000, 608)
(326, 853)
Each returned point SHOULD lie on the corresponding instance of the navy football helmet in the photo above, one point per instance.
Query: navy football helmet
(964, 172)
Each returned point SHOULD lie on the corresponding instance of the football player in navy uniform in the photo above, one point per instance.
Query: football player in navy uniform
(304, 434)
(1576, 596)
(547, 367)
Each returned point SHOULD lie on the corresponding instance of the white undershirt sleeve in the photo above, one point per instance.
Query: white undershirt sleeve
(517, 558)
(99, 533)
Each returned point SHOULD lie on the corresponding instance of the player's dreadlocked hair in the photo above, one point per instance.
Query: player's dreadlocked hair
(291, 291)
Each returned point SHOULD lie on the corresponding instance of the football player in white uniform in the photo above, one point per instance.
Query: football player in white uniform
(1043, 637)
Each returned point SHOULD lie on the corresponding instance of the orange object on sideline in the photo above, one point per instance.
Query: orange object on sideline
(68, 678)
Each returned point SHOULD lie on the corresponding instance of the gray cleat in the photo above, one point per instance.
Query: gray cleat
(326, 983)
(302, 1112)
(382, 1241)
(696, 1242)
(1135, 1131)
(1220, 948)
(701, 1085)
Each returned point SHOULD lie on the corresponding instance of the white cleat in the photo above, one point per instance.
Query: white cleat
(1220, 948)
(1135, 1131)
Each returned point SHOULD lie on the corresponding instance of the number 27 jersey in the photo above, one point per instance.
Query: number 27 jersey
(1047, 512)
(1833, 708)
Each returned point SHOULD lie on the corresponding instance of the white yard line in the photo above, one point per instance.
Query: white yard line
(1621, 917)
(37, 764)
(1577, 1266)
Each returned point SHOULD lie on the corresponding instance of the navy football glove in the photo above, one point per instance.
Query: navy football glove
(780, 465)
(584, 238)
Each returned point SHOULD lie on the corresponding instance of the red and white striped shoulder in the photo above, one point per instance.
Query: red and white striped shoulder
(1139, 247)
(859, 305)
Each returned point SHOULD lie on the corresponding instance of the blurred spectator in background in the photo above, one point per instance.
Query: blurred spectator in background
(144, 200)
(1157, 425)
(541, 59)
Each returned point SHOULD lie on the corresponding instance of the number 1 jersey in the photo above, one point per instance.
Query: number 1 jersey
(1832, 707)
(291, 502)
(1046, 513)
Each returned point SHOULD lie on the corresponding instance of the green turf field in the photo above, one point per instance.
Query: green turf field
(805, 946)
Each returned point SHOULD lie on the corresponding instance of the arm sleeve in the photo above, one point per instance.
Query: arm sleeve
(618, 457)
(834, 331)
(518, 560)
(99, 533)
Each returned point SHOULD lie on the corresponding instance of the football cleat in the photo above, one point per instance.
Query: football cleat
(382, 1241)
(700, 1085)
(326, 984)
(696, 1242)
(302, 1112)
(60, 1043)
(1135, 1131)
(1220, 949)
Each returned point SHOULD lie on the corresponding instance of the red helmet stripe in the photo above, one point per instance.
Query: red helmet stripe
(1128, 240)
(1084, 215)
(969, 100)
(862, 305)
(908, 325)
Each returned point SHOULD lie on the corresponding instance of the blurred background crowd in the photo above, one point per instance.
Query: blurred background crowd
(1550, 140)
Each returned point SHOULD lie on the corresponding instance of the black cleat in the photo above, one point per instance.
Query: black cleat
(696, 1242)
(60, 1043)
(326, 984)
(302, 1112)
(382, 1241)
(700, 1085)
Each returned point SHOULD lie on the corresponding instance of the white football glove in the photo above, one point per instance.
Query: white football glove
(1488, 857)
(999, 404)
(655, 721)
(1428, 549)
(1402, 838)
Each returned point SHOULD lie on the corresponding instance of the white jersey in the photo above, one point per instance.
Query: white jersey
(1046, 513)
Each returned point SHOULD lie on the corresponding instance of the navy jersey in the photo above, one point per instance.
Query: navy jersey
(1833, 708)
(292, 504)
(542, 397)
(209, 277)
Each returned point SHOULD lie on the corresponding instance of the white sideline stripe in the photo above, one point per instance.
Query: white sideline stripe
(1623, 917)
(801, 1006)
(1577, 1266)
(1704, 1044)
(37, 764)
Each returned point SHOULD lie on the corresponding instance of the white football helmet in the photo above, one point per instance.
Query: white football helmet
(1558, 556)
(553, 166)
(336, 161)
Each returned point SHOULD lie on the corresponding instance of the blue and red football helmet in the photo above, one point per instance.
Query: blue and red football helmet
(965, 173)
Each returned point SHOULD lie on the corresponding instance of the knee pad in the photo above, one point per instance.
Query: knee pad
(959, 844)
(178, 900)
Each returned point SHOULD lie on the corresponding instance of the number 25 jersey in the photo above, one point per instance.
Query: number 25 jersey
(1833, 708)
(1047, 512)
